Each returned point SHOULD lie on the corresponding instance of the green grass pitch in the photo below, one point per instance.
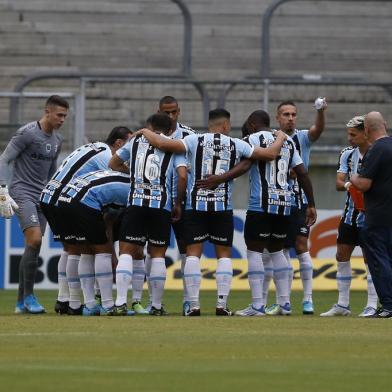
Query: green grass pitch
(173, 353)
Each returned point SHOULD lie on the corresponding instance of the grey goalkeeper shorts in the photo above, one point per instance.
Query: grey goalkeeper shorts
(30, 214)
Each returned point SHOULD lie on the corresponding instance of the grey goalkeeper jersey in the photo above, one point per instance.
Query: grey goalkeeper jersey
(34, 154)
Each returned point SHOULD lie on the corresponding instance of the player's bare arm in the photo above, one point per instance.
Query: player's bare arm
(212, 181)
(182, 176)
(163, 143)
(272, 152)
(117, 164)
(317, 129)
(361, 183)
(306, 185)
(342, 184)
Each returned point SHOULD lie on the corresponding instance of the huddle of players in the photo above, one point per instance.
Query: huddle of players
(78, 194)
(156, 192)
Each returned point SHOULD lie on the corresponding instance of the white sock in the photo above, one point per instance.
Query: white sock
(87, 279)
(104, 276)
(147, 266)
(306, 271)
(256, 277)
(63, 294)
(73, 281)
(268, 274)
(137, 280)
(224, 276)
(372, 298)
(183, 261)
(343, 278)
(192, 276)
(123, 278)
(286, 253)
(157, 279)
(281, 276)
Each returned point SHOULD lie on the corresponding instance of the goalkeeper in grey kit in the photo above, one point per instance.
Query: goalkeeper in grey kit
(34, 149)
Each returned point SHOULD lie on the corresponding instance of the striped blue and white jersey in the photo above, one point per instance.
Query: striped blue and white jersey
(270, 190)
(303, 145)
(98, 190)
(212, 153)
(350, 163)
(85, 159)
(180, 133)
(151, 172)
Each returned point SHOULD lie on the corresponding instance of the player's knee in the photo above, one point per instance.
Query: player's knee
(34, 242)
(340, 256)
(301, 245)
(139, 254)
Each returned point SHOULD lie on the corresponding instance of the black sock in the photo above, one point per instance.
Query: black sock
(21, 282)
(30, 265)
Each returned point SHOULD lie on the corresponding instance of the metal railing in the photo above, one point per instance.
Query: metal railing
(205, 89)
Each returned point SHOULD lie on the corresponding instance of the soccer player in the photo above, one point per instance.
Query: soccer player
(148, 215)
(268, 212)
(352, 221)
(299, 232)
(34, 150)
(87, 158)
(169, 105)
(82, 203)
(208, 213)
(375, 180)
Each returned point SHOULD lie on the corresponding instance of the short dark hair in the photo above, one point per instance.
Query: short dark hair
(119, 132)
(56, 100)
(260, 118)
(167, 99)
(284, 103)
(218, 113)
(244, 129)
(160, 122)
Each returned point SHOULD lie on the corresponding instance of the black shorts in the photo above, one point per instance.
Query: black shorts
(297, 226)
(179, 229)
(115, 216)
(55, 219)
(82, 224)
(261, 226)
(215, 226)
(142, 224)
(348, 235)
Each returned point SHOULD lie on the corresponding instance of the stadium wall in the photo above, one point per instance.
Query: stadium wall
(322, 249)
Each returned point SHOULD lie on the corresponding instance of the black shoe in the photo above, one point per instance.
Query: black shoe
(75, 312)
(121, 310)
(223, 311)
(193, 312)
(383, 313)
(61, 307)
(157, 312)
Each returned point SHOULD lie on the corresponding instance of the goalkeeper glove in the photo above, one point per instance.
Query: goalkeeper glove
(7, 203)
